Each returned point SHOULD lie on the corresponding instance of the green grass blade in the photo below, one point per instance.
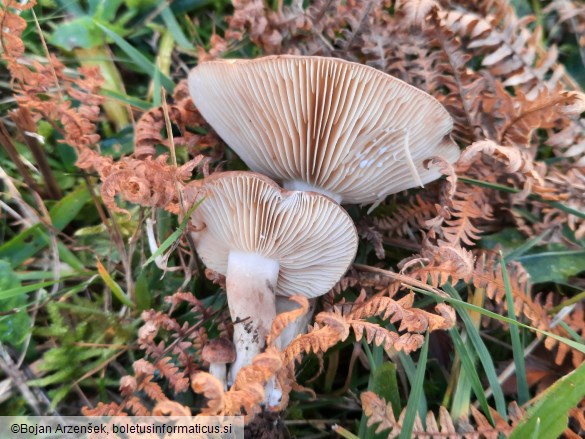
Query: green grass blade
(13, 292)
(112, 285)
(143, 62)
(574, 334)
(41, 275)
(128, 100)
(28, 242)
(517, 348)
(173, 27)
(548, 415)
(416, 392)
(156, 94)
(174, 236)
(471, 372)
(482, 351)
(458, 303)
(410, 370)
(526, 246)
(383, 383)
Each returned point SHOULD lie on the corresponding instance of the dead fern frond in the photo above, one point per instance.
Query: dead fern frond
(170, 408)
(12, 25)
(103, 409)
(318, 339)
(416, 11)
(247, 393)
(469, 204)
(282, 320)
(411, 319)
(372, 235)
(509, 48)
(146, 182)
(185, 116)
(523, 116)
(176, 377)
(210, 387)
(381, 413)
(408, 217)
(144, 372)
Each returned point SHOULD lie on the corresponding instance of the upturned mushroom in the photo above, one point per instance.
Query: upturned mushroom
(327, 125)
(267, 241)
(218, 352)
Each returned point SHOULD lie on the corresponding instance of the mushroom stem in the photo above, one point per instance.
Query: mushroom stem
(298, 185)
(288, 334)
(299, 326)
(218, 370)
(250, 283)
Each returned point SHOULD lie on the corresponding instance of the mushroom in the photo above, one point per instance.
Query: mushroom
(219, 352)
(328, 125)
(267, 241)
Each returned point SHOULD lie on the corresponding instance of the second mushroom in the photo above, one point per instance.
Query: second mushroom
(267, 241)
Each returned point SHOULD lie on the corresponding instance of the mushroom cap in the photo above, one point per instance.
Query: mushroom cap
(342, 127)
(219, 350)
(312, 238)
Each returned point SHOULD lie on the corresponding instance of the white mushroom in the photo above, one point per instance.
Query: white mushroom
(343, 129)
(267, 241)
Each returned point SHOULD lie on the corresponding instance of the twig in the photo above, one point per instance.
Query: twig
(6, 143)
(19, 381)
(26, 125)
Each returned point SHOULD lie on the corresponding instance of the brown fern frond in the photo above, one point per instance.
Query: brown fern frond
(170, 408)
(135, 406)
(381, 413)
(408, 217)
(318, 339)
(176, 377)
(247, 392)
(282, 320)
(440, 264)
(263, 366)
(212, 389)
(144, 372)
(184, 116)
(372, 235)
(470, 204)
(567, 186)
(412, 319)
(12, 25)
(416, 11)
(180, 296)
(103, 409)
(247, 401)
(146, 182)
(504, 161)
(522, 116)
(380, 336)
(508, 47)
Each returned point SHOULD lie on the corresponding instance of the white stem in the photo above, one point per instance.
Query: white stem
(218, 370)
(297, 327)
(298, 185)
(250, 283)
(272, 394)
